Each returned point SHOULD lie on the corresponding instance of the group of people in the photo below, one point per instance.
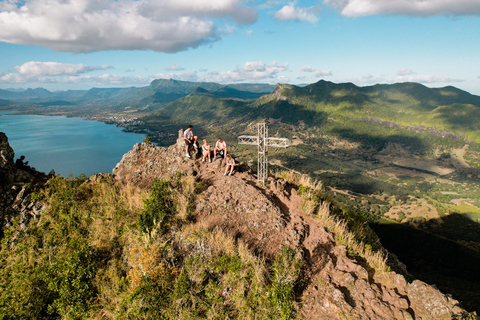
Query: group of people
(220, 148)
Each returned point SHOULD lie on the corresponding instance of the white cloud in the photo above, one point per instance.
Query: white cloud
(86, 80)
(405, 72)
(413, 77)
(174, 67)
(227, 29)
(290, 12)
(427, 78)
(317, 73)
(323, 73)
(35, 72)
(250, 32)
(255, 71)
(355, 8)
(186, 76)
(39, 69)
(307, 69)
(95, 25)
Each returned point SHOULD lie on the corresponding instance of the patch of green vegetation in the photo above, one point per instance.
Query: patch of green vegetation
(99, 251)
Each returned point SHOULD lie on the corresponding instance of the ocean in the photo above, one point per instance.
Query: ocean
(67, 145)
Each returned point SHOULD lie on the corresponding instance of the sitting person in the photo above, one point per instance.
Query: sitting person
(206, 151)
(220, 146)
(190, 140)
(22, 165)
(230, 165)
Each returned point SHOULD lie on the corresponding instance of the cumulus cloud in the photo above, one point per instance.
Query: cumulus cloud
(227, 29)
(290, 12)
(174, 67)
(255, 71)
(405, 72)
(323, 73)
(36, 72)
(356, 8)
(86, 80)
(95, 25)
(307, 69)
(412, 77)
(317, 73)
(39, 69)
(427, 78)
(185, 76)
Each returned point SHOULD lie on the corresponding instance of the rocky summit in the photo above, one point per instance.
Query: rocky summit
(333, 283)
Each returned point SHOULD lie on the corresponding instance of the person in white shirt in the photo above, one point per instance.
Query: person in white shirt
(190, 140)
(206, 151)
(219, 146)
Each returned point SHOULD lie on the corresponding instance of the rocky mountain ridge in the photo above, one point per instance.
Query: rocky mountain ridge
(15, 184)
(332, 284)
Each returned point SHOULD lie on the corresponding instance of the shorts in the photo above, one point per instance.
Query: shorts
(188, 143)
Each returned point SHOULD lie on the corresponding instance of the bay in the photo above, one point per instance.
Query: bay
(67, 145)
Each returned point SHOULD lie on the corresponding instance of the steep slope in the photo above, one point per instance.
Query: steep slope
(331, 284)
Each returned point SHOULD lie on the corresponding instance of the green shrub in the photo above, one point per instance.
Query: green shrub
(147, 140)
(71, 280)
(159, 208)
(286, 269)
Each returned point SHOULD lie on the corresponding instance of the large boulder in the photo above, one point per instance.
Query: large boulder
(146, 162)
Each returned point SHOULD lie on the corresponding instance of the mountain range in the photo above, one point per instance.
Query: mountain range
(158, 94)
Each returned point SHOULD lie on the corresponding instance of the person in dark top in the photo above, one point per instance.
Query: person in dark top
(20, 164)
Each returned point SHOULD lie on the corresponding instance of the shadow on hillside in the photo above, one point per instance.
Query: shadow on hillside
(454, 268)
(379, 142)
(290, 113)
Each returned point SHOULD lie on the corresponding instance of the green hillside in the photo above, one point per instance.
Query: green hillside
(405, 104)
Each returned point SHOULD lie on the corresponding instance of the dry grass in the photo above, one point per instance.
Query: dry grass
(300, 180)
(320, 211)
(184, 194)
(344, 236)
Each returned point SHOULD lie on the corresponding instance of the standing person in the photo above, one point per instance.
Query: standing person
(206, 151)
(230, 165)
(219, 146)
(190, 140)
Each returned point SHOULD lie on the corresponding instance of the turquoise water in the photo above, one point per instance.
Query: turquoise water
(67, 145)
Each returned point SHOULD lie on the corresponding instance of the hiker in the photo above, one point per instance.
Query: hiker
(206, 151)
(220, 147)
(230, 165)
(22, 165)
(190, 140)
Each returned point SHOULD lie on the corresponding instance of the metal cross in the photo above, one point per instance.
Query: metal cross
(263, 141)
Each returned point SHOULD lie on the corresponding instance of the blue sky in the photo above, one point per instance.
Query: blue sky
(79, 44)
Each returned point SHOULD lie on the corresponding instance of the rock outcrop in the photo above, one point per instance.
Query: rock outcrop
(15, 186)
(332, 285)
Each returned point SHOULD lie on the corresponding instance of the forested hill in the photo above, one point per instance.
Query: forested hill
(446, 112)
(405, 104)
